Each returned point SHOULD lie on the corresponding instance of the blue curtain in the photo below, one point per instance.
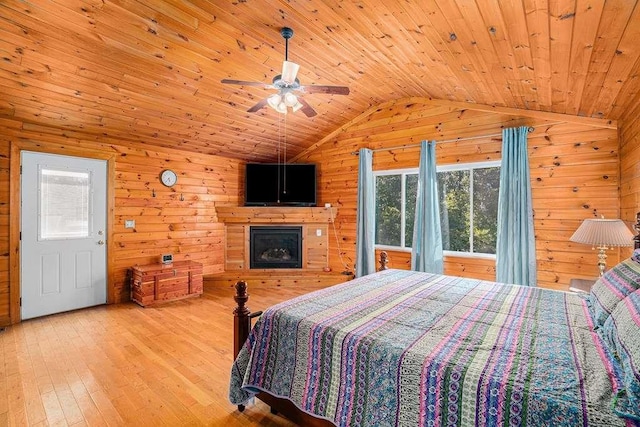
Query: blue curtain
(365, 228)
(516, 247)
(426, 248)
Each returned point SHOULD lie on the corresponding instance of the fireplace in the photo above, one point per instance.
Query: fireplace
(275, 247)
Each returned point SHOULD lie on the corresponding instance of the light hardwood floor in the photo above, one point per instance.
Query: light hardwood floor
(127, 365)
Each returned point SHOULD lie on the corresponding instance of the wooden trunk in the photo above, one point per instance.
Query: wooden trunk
(156, 283)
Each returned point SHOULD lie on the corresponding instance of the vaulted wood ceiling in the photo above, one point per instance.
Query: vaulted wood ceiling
(150, 70)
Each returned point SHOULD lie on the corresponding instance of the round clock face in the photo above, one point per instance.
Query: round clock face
(168, 178)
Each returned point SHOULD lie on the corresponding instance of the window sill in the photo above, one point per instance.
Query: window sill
(469, 255)
(452, 254)
(392, 248)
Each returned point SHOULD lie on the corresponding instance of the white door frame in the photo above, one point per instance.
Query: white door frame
(15, 214)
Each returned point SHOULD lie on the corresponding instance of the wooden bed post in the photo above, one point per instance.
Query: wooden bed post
(636, 226)
(241, 317)
(384, 260)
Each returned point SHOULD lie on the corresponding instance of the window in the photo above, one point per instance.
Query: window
(64, 204)
(395, 208)
(468, 207)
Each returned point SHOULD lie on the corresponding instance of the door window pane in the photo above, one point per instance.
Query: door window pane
(64, 204)
(388, 209)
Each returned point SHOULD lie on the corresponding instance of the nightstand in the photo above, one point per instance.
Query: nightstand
(581, 285)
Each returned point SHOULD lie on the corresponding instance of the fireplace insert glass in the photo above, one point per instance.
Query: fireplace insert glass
(275, 247)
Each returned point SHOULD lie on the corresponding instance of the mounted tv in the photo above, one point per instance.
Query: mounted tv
(271, 184)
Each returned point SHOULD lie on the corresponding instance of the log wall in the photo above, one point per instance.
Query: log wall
(630, 167)
(187, 228)
(574, 175)
(575, 172)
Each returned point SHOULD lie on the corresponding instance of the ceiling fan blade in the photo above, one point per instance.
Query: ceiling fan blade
(258, 106)
(307, 109)
(244, 83)
(332, 90)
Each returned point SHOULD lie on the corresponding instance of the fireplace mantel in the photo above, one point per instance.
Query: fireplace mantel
(274, 215)
(315, 223)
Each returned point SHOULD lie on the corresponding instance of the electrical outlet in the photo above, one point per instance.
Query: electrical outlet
(129, 223)
(318, 232)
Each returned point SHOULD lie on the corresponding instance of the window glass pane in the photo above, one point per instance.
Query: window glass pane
(64, 204)
(411, 191)
(453, 191)
(388, 209)
(486, 183)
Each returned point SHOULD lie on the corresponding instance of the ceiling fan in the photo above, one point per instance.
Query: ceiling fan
(286, 84)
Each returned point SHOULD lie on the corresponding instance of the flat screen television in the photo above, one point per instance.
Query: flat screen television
(271, 184)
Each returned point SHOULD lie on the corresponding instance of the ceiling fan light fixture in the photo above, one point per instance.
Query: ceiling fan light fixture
(274, 100)
(298, 105)
(289, 72)
(281, 108)
(290, 99)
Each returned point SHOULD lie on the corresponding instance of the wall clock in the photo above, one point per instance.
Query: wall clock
(168, 178)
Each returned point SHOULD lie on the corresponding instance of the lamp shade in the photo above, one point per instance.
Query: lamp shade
(274, 100)
(603, 232)
(290, 99)
(281, 108)
(298, 105)
(289, 72)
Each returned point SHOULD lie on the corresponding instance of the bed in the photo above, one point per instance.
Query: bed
(403, 348)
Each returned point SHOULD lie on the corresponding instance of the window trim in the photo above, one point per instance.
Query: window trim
(439, 168)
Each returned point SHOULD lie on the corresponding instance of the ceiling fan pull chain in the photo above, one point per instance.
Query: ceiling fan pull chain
(284, 169)
(279, 158)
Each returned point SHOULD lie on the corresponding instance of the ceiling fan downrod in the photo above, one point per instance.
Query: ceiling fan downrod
(286, 33)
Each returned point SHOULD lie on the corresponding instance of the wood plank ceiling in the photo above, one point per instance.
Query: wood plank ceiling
(150, 70)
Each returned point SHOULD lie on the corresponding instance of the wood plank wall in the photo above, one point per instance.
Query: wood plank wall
(630, 167)
(187, 228)
(574, 175)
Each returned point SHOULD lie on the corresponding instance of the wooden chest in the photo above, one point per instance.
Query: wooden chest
(156, 283)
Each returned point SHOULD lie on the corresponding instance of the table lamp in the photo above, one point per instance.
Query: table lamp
(603, 234)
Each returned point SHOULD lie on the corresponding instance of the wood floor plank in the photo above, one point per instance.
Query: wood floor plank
(131, 366)
(72, 412)
(35, 407)
(17, 414)
(105, 406)
(4, 388)
(52, 407)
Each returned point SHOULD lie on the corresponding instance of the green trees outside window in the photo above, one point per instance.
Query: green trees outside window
(468, 207)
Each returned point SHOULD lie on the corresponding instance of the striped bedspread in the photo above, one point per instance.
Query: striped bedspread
(401, 348)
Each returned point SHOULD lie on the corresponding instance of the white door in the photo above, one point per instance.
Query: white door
(63, 223)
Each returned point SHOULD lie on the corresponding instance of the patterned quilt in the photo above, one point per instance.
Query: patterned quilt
(401, 348)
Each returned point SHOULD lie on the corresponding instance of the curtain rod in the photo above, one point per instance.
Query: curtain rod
(530, 129)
